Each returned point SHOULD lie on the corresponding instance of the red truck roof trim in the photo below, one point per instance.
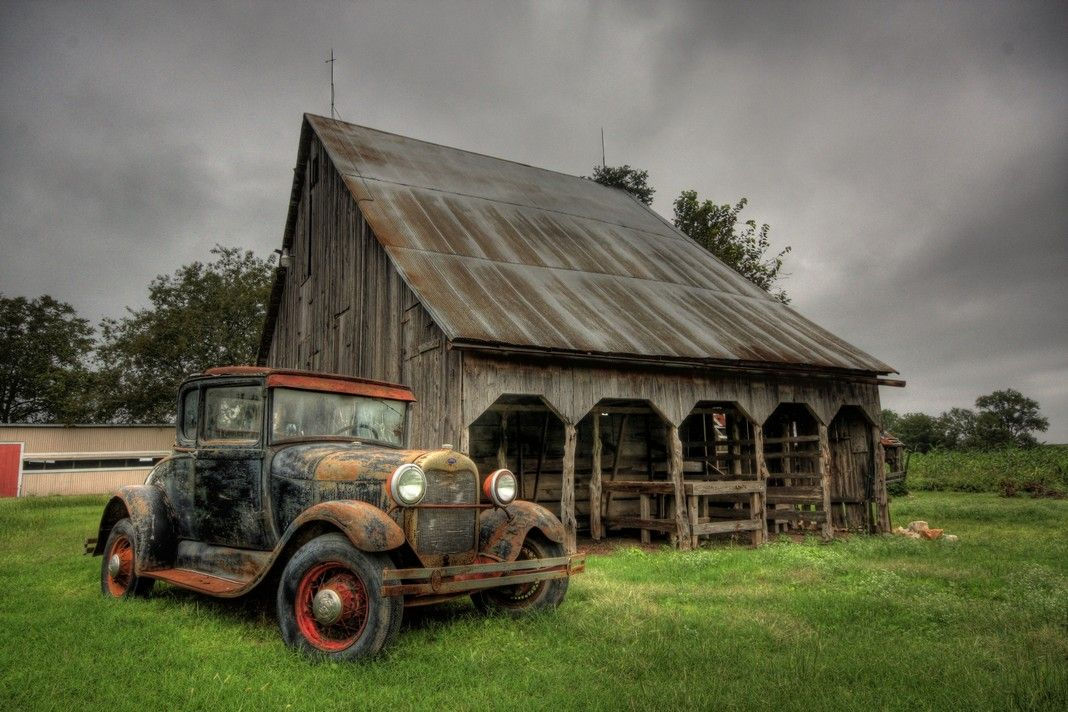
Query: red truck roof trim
(316, 383)
(310, 381)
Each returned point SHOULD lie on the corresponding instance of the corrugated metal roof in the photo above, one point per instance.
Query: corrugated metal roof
(504, 253)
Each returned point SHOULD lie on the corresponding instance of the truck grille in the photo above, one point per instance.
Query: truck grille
(447, 531)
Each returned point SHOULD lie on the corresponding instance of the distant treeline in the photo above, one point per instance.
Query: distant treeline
(1002, 419)
(56, 367)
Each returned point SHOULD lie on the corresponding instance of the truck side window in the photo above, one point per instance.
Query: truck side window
(190, 414)
(233, 414)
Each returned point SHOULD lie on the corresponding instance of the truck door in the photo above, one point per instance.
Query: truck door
(228, 498)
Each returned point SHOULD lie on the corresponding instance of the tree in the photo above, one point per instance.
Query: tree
(742, 247)
(203, 315)
(956, 429)
(1008, 417)
(890, 421)
(918, 431)
(44, 346)
(632, 180)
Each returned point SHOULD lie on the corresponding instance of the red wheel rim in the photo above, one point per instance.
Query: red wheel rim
(119, 582)
(352, 620)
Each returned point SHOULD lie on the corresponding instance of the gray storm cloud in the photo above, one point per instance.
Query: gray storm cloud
(914, 155)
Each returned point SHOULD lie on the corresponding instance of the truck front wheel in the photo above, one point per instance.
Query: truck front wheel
(330, 603)
(524, 598)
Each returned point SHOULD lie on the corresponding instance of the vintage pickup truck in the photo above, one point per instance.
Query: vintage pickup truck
(302, 481)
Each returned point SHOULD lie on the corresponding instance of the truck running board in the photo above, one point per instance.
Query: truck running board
(198, 581)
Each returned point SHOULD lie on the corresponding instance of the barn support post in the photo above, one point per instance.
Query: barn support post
(595, 481)
(615, 462)
(682, 520)
(760, 505)
(567, 490)
(881, 497)
(825, 480)
(502, 447)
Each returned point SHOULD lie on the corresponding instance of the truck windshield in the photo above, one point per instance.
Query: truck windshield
(309, 414)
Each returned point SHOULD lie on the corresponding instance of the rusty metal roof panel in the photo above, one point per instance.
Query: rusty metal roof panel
(504, 253)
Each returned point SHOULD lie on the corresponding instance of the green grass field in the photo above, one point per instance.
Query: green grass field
(864, 623)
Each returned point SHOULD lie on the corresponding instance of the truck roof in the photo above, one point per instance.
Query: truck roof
(313, 381)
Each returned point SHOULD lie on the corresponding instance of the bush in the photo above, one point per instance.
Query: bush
(1041, 471)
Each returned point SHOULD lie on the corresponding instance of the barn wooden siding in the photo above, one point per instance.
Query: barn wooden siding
(345, 309)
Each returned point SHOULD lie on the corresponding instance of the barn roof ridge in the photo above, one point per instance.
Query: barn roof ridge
(462, 150)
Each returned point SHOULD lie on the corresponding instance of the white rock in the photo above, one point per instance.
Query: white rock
(951, 537)
(918, 526)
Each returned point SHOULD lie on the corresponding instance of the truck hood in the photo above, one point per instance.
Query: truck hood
(340, 462)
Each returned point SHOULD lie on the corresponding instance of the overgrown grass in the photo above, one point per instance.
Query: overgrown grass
(986, 471)
(864, 623)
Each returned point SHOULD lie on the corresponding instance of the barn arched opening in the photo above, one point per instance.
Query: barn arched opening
(852, 470)
(724, 487)
(797, 477)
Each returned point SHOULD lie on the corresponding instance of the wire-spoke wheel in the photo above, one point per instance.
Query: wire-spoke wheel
(329, 600)
(117, 571)
(523, 598)
(331, 607)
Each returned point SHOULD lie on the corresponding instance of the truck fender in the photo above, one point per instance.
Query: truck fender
(501, 531)
(365, 525)
(153, 519)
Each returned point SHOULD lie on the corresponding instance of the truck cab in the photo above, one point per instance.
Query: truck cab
(305, 482)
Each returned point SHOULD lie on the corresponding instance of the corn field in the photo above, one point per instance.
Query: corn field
(1042, 469)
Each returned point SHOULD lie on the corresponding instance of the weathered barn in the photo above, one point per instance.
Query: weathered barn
(565, 330)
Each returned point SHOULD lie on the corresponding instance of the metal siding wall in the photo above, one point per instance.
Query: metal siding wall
(89, 438)
(74, 482)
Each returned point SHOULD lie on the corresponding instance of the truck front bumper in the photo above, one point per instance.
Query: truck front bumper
(472, 577)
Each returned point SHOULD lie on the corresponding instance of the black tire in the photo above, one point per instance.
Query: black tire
(368, 622)
(522, 599)
(123, 583)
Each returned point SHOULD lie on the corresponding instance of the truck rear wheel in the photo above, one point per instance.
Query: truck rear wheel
(117, 577)
(524, 598)
(330, 603)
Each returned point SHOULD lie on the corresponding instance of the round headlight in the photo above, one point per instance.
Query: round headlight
(408, 484)
(501, 487)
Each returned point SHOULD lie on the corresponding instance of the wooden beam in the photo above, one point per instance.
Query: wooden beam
(644, 515)
(567, 490)
(825, 479)
(645, 523)
(794, 515)
(595, 480)
(542, 447)
(615, 460)
(502, 443)
(760, 504)
(521, 470)
(740, 525)
(881, 496)
(682, 521)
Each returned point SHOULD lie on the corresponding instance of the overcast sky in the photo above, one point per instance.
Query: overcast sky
(914, 155)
